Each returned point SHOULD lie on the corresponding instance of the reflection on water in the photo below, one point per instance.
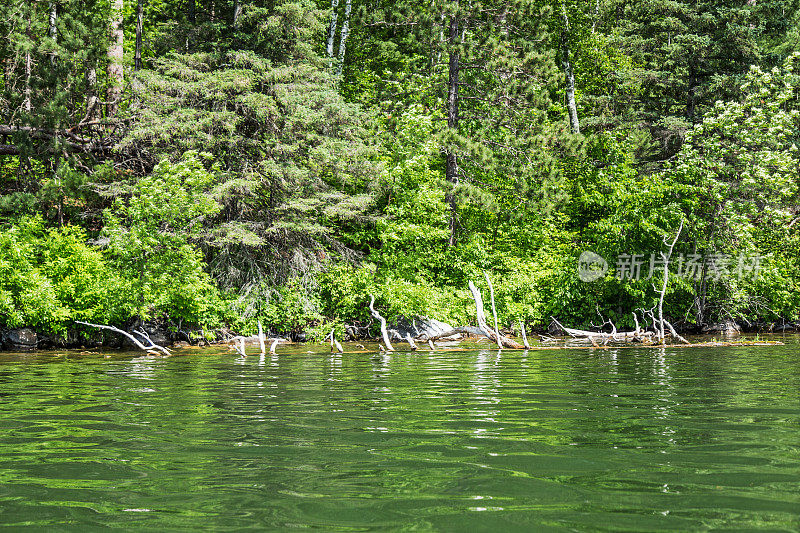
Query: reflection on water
(615, 439)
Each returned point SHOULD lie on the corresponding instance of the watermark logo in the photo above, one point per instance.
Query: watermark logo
(591, 266)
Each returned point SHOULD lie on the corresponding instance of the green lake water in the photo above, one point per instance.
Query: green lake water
(643, 439)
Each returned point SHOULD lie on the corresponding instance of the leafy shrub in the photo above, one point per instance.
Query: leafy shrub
(49, 277)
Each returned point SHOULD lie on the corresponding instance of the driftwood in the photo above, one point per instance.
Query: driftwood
(411, 342)
(638, 335)
(675, 334)
(382, 320)
(261, 340)
(460, 331)
(524, 336)
(152, 348)
(272, 347)
(486, 331)
(494, 310)
(239, 347)
(593, 336)
(666, 256)
(335, 345)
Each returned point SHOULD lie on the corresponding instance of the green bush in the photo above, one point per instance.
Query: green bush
(49, 277)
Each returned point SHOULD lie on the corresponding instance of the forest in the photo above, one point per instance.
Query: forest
(209, 165)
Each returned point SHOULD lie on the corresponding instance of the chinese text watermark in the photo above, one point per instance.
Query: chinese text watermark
(636, 266)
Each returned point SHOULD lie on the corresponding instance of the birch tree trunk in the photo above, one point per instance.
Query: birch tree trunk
(137, 58)
(26, 102)
(343, 37)
(569, 75)
(237, 11)
(116, 77)
(53, 31)
(332, 32)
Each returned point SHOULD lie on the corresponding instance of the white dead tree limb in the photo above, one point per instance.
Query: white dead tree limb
(261, 339)
(675, 333)
(524, 336)
(605, 337)
(494, 309)
(238, 345)
(485, 330)
(382, 320)
(411, 342)
(666, 256)
(335, 345)
(430, 345)
(151, 348)
(272, 347)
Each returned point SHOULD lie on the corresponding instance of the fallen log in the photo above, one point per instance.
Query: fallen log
(614, 335)
(463, 330)
(624, 336)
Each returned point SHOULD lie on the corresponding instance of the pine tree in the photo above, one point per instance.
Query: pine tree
(692, 53)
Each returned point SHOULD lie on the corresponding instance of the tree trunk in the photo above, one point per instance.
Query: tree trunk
(137, 58)
(343, 37)
(451, 162)
(116, 77)
(569, 75)
(92, 102)
(237, 11)
(53, 32)
(332, 32)
(441, 42)
(691, 92)
(26, 102)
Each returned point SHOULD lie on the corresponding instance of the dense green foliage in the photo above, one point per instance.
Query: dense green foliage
(281, 161)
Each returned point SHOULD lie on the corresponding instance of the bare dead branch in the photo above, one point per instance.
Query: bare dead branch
(152, 348)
